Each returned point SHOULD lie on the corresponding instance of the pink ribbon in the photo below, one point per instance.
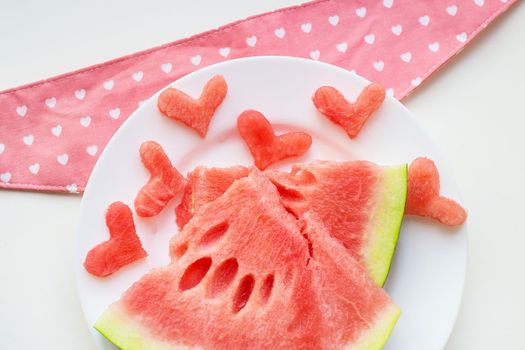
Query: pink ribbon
(52, 131)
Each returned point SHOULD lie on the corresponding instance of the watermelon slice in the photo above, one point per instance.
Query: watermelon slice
(423, 195)
(360, 203)
(165, 181)
(203, 186)
(266, 147)
(246, 274)
(123, 246)
(196, 114)
(351, 116)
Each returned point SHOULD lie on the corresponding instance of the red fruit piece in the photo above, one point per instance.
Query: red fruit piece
(165, 181)
(423, 195)
(264, 145)
(351, 116)
(196, 114)
(204, 186)
(123, 246)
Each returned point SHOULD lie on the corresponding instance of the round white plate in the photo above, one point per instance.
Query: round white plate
(426, 279)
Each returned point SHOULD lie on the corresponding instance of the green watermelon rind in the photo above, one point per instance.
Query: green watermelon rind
(376, 337)
(118, 328)
(385, 223)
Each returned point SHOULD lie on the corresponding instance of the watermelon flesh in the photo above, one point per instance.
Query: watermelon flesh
(195, 113)
(350, 116)
(246, 274)
(165, 181)
(266, 147)
(204, 185)
(424, 198)
(360, 203)
(123, 247)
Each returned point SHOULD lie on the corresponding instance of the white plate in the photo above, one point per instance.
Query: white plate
(426, 279)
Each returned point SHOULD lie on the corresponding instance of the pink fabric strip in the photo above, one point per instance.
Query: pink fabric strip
(52, 131)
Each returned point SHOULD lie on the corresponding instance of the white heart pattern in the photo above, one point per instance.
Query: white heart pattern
(57, 130)
(34, 168)
(342, 47)
(480, 3)
(333, 20)
(461, 37)
(21, 110)
(306, 27)
(397, 29)
(315, 54)
(360, 12)
(28, 140)
(5, 177)
(85, 121)
(452, 10)
(2, 148)
(80, 94)
(424, 20)
(137, 76)
(251, 41)
(63, 159)
(406, 57)
(388, 3)
(51, 102)
(416, 81)
(92, 150)
(280, 32)
(390, 92)
(370, 38)
(108, 85)
(72, 188)
(379, 66)
(224, 52)
(196, 60)
(166, 67)
(434, 47)
(114, 113)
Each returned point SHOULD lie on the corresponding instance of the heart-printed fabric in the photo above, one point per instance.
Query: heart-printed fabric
(52, 131)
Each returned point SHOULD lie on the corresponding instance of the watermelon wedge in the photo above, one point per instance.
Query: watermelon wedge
(205, 185)
(247, 274)
(360, 203)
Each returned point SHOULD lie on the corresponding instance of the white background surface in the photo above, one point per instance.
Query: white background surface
(473, 108)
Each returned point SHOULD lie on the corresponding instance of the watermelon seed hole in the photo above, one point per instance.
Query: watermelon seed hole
(223, 277)
(214, 234)
(195, 273)
(243, 293)
(266, 288)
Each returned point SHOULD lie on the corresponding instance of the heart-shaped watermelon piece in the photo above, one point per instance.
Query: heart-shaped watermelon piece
(123, 246)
